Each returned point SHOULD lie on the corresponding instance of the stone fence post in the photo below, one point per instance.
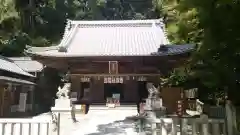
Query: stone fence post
(231, 118)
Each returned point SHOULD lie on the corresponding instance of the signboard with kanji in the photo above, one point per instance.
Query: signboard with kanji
(113, 67)
(85, 79)
(113, 79)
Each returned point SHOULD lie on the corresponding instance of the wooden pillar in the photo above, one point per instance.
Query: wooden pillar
(91, 91)
(23, 99)
(79, 90)
(130, 90)
(1, 99)
(7, 100)
(75, 88)
(32, 101)
(97, 93)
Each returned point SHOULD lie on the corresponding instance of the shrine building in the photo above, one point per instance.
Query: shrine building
(112, 57)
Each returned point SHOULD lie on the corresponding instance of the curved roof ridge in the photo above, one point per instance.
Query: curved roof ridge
(67, 28)
(6, 59)
(21, 58)
(40, 49)
(68, 37)
(165, 33)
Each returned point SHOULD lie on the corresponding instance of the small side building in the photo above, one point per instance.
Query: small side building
(16, 90)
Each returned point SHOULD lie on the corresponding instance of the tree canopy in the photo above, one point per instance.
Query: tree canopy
(213, 26)
(43, 21)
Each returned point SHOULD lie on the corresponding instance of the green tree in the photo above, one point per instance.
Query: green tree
(213, 25)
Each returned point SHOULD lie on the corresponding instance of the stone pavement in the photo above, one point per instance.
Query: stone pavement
(100, 121)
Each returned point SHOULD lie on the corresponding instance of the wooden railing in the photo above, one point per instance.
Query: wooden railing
(11, 126)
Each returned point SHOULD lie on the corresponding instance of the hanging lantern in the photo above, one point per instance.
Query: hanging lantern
(180, 110)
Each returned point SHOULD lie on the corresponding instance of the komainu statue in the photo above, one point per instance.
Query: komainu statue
(63, 92)
(152, 90)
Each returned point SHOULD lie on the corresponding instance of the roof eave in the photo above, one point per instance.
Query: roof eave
(72, 55)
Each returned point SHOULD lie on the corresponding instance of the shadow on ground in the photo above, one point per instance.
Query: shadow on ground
(116, 127)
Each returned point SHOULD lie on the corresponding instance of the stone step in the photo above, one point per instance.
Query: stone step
(121, 107)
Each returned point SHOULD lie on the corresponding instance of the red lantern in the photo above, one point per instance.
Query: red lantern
(179, 108)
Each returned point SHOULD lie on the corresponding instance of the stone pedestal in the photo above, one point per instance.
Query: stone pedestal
(62, 105)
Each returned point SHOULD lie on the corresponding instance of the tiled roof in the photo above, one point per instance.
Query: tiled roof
(174, 49)
(109, 38)
(8, 65)
(27, 64)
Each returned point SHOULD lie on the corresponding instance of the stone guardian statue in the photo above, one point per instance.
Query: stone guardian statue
(63, 92)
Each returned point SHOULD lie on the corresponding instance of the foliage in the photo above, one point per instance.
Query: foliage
(44, 21)
(7, 10)
(182, 22)
(15, 44)
(213, 25)
(48, 82)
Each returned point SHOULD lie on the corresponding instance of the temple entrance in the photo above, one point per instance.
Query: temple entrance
(142, 90)
(85, 90)
(113, 88)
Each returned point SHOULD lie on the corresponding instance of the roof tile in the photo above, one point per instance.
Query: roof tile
(117, 40)
(10, 66)
(27, 64)
(111, 38)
